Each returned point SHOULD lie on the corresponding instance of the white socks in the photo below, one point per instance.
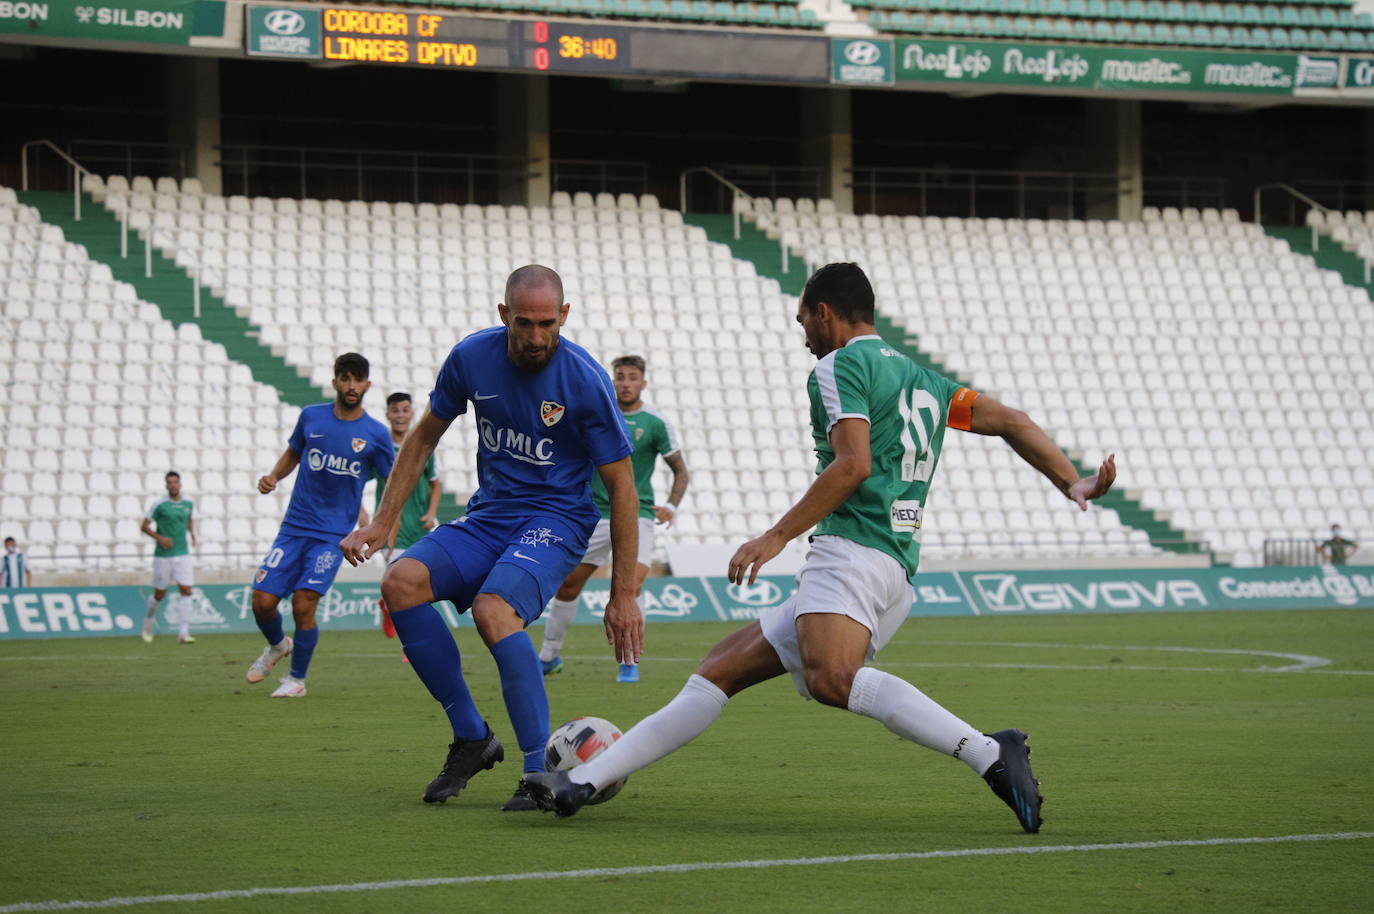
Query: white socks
(559, 617)
(912, 715)
(669, 728)
(152, 605)
(184, 610)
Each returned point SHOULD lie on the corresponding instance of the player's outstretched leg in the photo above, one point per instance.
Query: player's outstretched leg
(269, 623)
(1001, 758)
(668, 729)
(1011, 779)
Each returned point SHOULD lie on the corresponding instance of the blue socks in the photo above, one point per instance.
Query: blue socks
(271, 629)
(522, 684)
(302, 650)
(434, 656)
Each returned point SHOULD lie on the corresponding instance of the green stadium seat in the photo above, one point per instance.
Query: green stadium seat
(657, 9)
(1192, 11)
(724, 11)
(1155, 10)
(1218, 35)
(1142, 33)
(1135, 9)
(1279, 38)
(960, 24)
(1173, 11)
(1097, 9)
(1358, 41)
(1102, 31)
(1056, 7)
(1017, 6)
(1183, 35)
(1163, 33)
(810, 20)
(1318, 38)
(1259, 37)
(1082, 30)
(767, 12)
(1116, 9)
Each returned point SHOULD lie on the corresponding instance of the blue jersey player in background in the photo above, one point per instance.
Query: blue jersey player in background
(546, 417)
(338, 448)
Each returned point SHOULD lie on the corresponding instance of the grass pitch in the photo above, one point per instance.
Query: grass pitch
(145, 770)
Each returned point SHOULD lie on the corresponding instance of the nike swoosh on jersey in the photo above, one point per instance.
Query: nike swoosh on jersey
(316, 434)
(520, 555)
(485, 396)
(313, 581)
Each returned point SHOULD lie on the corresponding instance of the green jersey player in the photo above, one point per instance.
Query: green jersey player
(878, 421)
(652, 436)
(170, 523)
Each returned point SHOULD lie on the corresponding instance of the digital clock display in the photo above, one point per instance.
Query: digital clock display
(576, 46)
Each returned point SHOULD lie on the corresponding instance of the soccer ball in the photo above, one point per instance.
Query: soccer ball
(581, 740)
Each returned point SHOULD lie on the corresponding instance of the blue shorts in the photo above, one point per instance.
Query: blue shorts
(298, 562)
(522, 560)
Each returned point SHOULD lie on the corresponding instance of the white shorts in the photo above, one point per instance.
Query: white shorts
(840, 576)
(169, 568)
(599, 545)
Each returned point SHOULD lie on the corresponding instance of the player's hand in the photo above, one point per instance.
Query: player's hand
(664, 514)
(429, 522)
(624, 628)
(1096, 485)
(165, 542)
(363, 543)
(267, 483)
(751, 557)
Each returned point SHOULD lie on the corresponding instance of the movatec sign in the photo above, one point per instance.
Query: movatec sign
(144, 21)
(1093, 68)
(281, 31)
(52, 612)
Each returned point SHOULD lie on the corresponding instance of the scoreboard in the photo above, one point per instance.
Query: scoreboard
(428, 39)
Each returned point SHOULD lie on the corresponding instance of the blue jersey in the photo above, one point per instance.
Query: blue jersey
(540, 433)
(336, 457)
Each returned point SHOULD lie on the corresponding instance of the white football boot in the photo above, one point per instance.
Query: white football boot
(290, 688)
(266, 660)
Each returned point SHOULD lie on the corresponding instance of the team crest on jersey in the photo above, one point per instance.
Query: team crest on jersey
(359, 444)
(639, 433)
(261, 576)
(551, 412)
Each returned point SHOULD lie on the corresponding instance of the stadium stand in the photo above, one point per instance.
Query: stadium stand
(319, 277)
(103, 397)
(1202, 349)
(1286, 25)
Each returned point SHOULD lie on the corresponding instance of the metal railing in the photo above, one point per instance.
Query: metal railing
(370, 174)
(739, 196)
(1183, 191)
(1293, 194)
(973, 193)
(133, 158)
(773, 181)
(599, 176)
(1292, 551)
(78, 170)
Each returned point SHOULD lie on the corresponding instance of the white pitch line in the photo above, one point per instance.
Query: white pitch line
(603, 872)
(1301, 662)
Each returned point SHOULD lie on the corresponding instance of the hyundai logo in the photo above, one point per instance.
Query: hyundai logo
(862, 53)
(284, 22)
(761, 593)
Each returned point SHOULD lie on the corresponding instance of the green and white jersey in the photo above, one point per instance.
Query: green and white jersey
(170, 519)
(653, 436)
(907, 409)
(411, 531)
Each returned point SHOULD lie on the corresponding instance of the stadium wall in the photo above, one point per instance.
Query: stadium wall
(56, 612)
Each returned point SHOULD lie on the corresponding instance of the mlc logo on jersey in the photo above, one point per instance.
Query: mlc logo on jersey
(332, 463)
(551, 412)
